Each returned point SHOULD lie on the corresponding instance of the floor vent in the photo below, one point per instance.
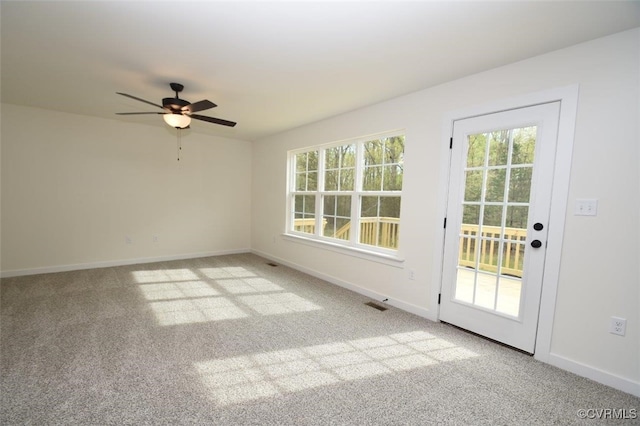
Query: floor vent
(376, 306)
(271, 264)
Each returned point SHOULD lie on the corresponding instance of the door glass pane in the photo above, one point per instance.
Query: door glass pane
(485, 291)
(473, 186)
(498, 148)
(495, 185)
(524, 143)
(520, 184)
(476, 150)
(509, 292)
(495, 211)
(517, 218)
(471, 214)
(492, 216)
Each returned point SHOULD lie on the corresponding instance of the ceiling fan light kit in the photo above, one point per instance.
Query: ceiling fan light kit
(178, 121)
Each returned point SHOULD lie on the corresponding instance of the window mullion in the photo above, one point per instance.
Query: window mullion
(355, 198)
(319, 194)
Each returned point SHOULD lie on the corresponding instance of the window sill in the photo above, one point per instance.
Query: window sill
(385, 259)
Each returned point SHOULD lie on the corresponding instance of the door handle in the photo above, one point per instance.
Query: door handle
(536, 243)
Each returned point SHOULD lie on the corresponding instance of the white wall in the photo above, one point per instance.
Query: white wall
(73, 187)
(599, 275)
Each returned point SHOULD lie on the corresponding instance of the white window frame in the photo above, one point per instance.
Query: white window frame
(351, 246)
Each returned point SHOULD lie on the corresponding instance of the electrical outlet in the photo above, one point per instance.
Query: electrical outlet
(412, 274)
(618, 326)
(155, 238)
(128, 240)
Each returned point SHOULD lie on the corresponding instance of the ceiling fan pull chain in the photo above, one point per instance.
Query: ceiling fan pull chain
(179, 148)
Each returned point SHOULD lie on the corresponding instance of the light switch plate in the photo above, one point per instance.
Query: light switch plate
(586, 207)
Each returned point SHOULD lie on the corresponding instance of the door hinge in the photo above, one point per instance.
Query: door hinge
(450, 142)
(445, 223)
(439, 297)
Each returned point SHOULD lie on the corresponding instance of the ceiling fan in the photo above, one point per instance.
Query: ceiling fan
(179, 112)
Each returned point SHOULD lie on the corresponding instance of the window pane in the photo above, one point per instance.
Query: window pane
(305, 204)
(329, 202)
(332, 158)
(372, 179)
(369, 207)
(301, 181)
(343, 229)
(312, 181)
(331, 180)
(390, 207)
(373, 152)
(343, 207)
(347, 180)
(337, 216)
(349, 156)
(394, 150)
(312, 161)
(304, 215)
(301, 162)
(392, 178)
(381, 228)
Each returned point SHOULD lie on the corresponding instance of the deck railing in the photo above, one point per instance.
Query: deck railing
(307, 225)
(513, 240)
(384, 228)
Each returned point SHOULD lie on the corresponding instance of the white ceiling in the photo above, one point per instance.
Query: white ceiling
(273, 65)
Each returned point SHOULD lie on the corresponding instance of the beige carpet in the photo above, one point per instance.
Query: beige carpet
(231, 340)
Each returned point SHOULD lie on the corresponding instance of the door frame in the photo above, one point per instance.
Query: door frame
(568, 98)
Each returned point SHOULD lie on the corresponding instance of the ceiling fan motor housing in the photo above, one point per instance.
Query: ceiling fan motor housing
(175, 104)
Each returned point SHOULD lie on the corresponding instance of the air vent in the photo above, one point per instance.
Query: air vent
(272, 264)
(376, 306)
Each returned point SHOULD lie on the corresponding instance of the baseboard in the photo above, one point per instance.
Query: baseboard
(416, 310)
(110, 263)
(616, 382)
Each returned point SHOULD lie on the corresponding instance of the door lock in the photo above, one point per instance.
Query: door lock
(536, 243)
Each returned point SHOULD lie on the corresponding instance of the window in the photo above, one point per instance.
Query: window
(349, 193)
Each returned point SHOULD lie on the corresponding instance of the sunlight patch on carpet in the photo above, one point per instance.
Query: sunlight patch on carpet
(272, 374)
(189, 311)
(177, 290)
(185, 296)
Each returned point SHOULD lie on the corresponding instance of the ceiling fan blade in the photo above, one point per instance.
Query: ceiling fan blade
(139, 99)
(138, 113)
(213, 120)
(199, 106)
